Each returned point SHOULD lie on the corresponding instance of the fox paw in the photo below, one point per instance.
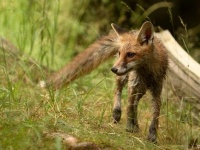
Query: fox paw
(116, 115)
(132, 128)
(152, 134)
(152, 138)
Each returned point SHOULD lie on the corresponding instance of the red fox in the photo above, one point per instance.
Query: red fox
(142, 62)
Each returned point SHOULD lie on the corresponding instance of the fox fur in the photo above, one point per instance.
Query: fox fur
(142, 63)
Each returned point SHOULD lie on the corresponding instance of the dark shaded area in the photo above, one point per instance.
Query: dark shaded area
(182, 19)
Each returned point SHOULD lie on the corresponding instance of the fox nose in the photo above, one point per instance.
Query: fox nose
(114, 70)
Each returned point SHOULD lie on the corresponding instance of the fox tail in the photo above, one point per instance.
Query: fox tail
(85, 62)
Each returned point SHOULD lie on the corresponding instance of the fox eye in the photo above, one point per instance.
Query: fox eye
(130, 54)
(119, 53)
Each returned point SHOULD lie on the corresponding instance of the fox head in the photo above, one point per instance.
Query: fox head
(135, 47)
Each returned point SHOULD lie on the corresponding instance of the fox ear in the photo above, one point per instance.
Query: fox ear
(146, 33)
(118, 30)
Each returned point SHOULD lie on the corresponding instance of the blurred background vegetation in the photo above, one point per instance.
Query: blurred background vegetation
(53, 31)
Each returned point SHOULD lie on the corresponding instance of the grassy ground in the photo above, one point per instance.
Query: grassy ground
(83, 109)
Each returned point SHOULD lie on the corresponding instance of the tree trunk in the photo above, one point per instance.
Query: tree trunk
(184, 72)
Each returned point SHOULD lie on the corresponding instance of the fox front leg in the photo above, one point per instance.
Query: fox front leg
(136, 89)
(120, 82)
(155, 121)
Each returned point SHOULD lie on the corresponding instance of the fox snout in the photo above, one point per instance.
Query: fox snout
(119, 70)
(124, 68)
(114, 70)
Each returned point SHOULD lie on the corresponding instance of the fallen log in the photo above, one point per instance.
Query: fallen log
(18, 65)
(184, 72)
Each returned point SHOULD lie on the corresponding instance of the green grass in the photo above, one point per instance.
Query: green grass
(84, 110)
(50, 32)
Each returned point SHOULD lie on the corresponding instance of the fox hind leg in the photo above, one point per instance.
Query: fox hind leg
(136, 89)
(120, 82)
